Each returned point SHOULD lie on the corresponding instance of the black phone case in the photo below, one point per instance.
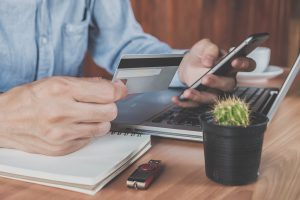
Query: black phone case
(226, 70)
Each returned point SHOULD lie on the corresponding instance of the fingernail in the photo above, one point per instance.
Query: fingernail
(237, 63)
(205, 80)
(234, 63)
(187, 94)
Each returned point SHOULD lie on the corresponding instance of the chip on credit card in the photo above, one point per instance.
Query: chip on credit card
(147, 73)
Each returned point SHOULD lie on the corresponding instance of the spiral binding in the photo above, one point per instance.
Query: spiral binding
(126, 132)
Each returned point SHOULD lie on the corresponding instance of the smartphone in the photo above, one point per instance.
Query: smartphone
(223, 66)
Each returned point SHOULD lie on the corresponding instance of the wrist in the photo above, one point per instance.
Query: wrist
(12, 112)
(3, 123)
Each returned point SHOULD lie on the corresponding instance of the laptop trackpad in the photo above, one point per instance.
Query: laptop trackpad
(137, 108)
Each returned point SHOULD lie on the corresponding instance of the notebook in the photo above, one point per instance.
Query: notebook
(86, 171)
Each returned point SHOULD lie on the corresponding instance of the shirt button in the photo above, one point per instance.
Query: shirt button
(44, 40)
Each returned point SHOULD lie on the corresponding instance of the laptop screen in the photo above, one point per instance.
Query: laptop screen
(285, 87)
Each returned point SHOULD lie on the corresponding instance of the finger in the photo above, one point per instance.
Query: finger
(226, 84)
(120, 90)
(210, 54)
(95, 90)
(199, 97)
(67, 148)
(184, 104)
(78, 112)
(243, 64)
(64, 149)
(91, 129)
(207, 51)
(94, 113)
(195, 98)
(34, 144)
(64, 134)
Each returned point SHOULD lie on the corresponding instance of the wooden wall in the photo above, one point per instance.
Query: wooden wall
(181, 23)
(226, 22)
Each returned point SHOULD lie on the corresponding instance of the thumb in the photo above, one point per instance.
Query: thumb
(120, 90)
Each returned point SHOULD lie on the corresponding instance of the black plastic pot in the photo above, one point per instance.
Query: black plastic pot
(232, 153)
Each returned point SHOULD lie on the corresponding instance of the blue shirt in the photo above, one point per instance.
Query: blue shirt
(42, 38)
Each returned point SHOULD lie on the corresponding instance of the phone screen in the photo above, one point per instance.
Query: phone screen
(223, 66)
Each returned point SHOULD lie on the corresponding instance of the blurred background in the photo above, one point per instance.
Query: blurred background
(181, 23)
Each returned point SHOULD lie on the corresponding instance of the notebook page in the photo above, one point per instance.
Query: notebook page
(86, 166)
(91, 190)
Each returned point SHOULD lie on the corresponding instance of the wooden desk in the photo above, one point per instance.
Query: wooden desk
(184, 177)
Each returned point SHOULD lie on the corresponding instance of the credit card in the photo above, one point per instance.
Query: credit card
(147, 73)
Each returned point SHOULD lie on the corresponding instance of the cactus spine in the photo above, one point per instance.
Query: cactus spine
(231, 111)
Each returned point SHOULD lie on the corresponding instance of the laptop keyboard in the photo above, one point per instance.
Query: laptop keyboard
(255, 97)
(181, 116)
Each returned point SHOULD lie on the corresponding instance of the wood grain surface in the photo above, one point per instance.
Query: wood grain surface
(181, 23)
(184, 176)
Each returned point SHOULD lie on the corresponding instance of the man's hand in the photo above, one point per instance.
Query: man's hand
(196, 62)
(59, 115)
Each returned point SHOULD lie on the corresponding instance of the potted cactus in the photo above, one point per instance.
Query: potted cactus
(232, 138)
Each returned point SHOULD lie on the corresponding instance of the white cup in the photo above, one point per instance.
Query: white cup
(261, 55)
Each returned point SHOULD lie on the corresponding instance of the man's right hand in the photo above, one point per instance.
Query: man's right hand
(59, 115)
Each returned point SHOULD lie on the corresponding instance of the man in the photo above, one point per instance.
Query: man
(44, 108)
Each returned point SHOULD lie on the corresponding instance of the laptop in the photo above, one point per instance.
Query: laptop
(153, 112)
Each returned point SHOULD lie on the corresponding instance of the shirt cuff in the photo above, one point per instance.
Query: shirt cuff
(176, 82)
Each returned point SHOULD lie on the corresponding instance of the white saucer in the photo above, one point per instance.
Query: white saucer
(271, 72)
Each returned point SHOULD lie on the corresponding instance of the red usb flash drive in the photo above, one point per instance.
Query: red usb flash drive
(144, 175)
